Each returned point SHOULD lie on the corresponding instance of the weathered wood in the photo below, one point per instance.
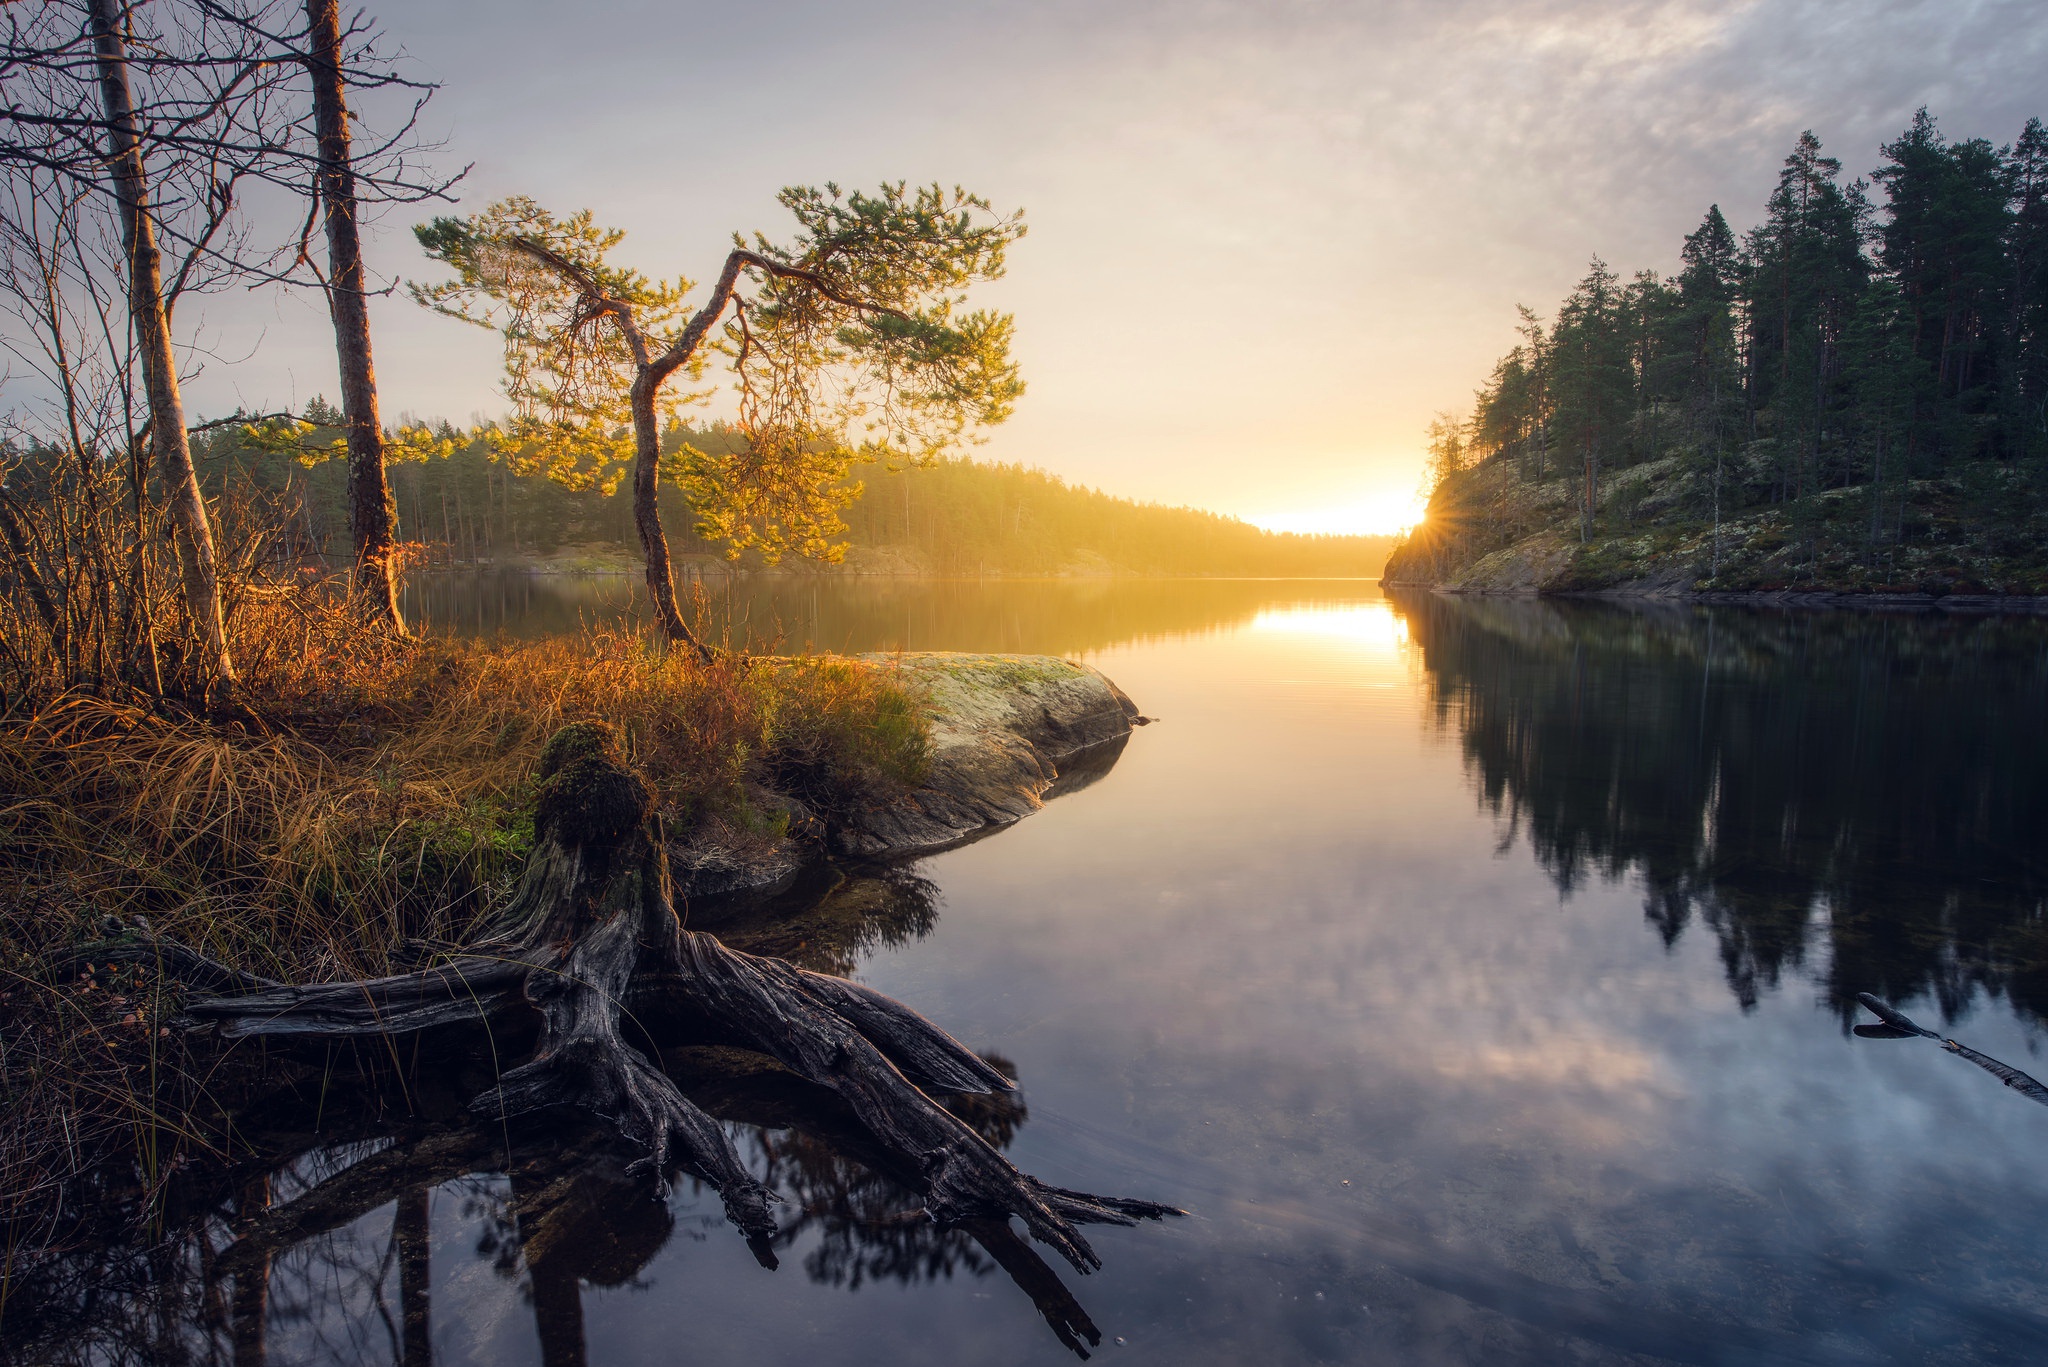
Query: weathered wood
(465, 990)
(167, 958)
(590, 944)
(1899, 1026)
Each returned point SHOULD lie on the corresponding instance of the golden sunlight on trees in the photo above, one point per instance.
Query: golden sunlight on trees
(1447, 448)
(134, 138)
(851, 342)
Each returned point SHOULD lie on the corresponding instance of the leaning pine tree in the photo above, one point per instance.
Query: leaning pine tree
(852, 341)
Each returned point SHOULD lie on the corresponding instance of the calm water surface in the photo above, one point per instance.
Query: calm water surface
(1479, 975)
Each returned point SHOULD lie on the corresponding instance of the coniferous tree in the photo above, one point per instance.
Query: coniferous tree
(1942, 243)
(1898, 349)
(2021, 357)
(1592, 378)
(1806, 267)
(1702, 359)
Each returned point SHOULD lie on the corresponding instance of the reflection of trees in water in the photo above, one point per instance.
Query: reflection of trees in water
(311, 1244)
(1869, 784)
(861, 613)
(325, 1260)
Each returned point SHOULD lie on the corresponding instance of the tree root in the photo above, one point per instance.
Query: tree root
(591, 945)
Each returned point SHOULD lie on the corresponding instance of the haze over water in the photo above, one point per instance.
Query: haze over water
(1477, 974)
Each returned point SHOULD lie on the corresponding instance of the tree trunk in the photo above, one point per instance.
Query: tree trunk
(369, 492)
(152, 323)
(591, 945)
(661, 584)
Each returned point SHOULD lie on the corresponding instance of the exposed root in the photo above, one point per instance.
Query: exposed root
(592, 936)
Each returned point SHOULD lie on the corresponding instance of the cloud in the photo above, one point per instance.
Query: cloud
(1269, 239)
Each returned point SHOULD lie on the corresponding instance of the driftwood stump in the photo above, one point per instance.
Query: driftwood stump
(590, 944)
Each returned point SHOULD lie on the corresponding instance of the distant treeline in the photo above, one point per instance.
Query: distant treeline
(967, 517)
(459, 505)
(1866, 335)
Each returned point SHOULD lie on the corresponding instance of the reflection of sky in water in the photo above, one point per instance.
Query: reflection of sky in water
(1281, 967)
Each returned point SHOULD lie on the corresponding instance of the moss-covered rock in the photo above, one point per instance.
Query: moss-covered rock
(1003, 734)
(1004, 730)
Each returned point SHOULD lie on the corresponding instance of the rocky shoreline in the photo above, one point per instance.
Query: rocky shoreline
(1971, 603)
(1008, 733)
(1491, 529)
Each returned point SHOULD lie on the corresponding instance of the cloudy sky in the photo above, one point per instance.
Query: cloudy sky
(1267, 240)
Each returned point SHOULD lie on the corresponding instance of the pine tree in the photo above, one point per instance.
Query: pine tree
(1592, 378)
(2021, 357)
(1942, 243)
(1806, 270)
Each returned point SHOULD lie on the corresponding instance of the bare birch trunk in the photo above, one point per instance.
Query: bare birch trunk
(187, 505)
(369, 492)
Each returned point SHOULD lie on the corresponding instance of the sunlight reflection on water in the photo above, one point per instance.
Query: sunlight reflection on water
(1477, 973)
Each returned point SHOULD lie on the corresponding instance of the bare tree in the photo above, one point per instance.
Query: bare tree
(850, 340)
(150, 317)
(77, 551)
(369, 495)
(339, 57)
(170, 160)
(171, 124)
(79, 142)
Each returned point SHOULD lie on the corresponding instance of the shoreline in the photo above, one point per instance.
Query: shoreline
(1009, 733)
(684, 568)
(1971, 604)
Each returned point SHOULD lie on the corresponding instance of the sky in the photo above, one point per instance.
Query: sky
(1267, 240)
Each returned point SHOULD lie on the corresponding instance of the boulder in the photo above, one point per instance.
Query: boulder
(1005, 728)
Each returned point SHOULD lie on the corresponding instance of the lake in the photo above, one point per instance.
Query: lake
(1479, 975)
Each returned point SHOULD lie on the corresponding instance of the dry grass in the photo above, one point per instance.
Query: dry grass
(376, 791)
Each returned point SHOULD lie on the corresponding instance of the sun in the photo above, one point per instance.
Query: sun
(1380, 513)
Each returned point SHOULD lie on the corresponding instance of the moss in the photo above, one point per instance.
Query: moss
(577, 741)
(1008, 671)
(587, 794)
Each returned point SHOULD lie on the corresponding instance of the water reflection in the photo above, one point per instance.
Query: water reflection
(851, 613)
(1426, 1107)
(315, 1242)
(1854, 796)
(831, 919)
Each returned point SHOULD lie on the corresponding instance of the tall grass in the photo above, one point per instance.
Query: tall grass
(369, 791)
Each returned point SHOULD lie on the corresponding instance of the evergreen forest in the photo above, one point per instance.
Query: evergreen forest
(460, 501)
(1853, 393)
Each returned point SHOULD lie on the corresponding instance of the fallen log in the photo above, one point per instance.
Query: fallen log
(591, 946)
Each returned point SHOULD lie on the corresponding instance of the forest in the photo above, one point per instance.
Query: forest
(459, 502)
(1852, 392)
